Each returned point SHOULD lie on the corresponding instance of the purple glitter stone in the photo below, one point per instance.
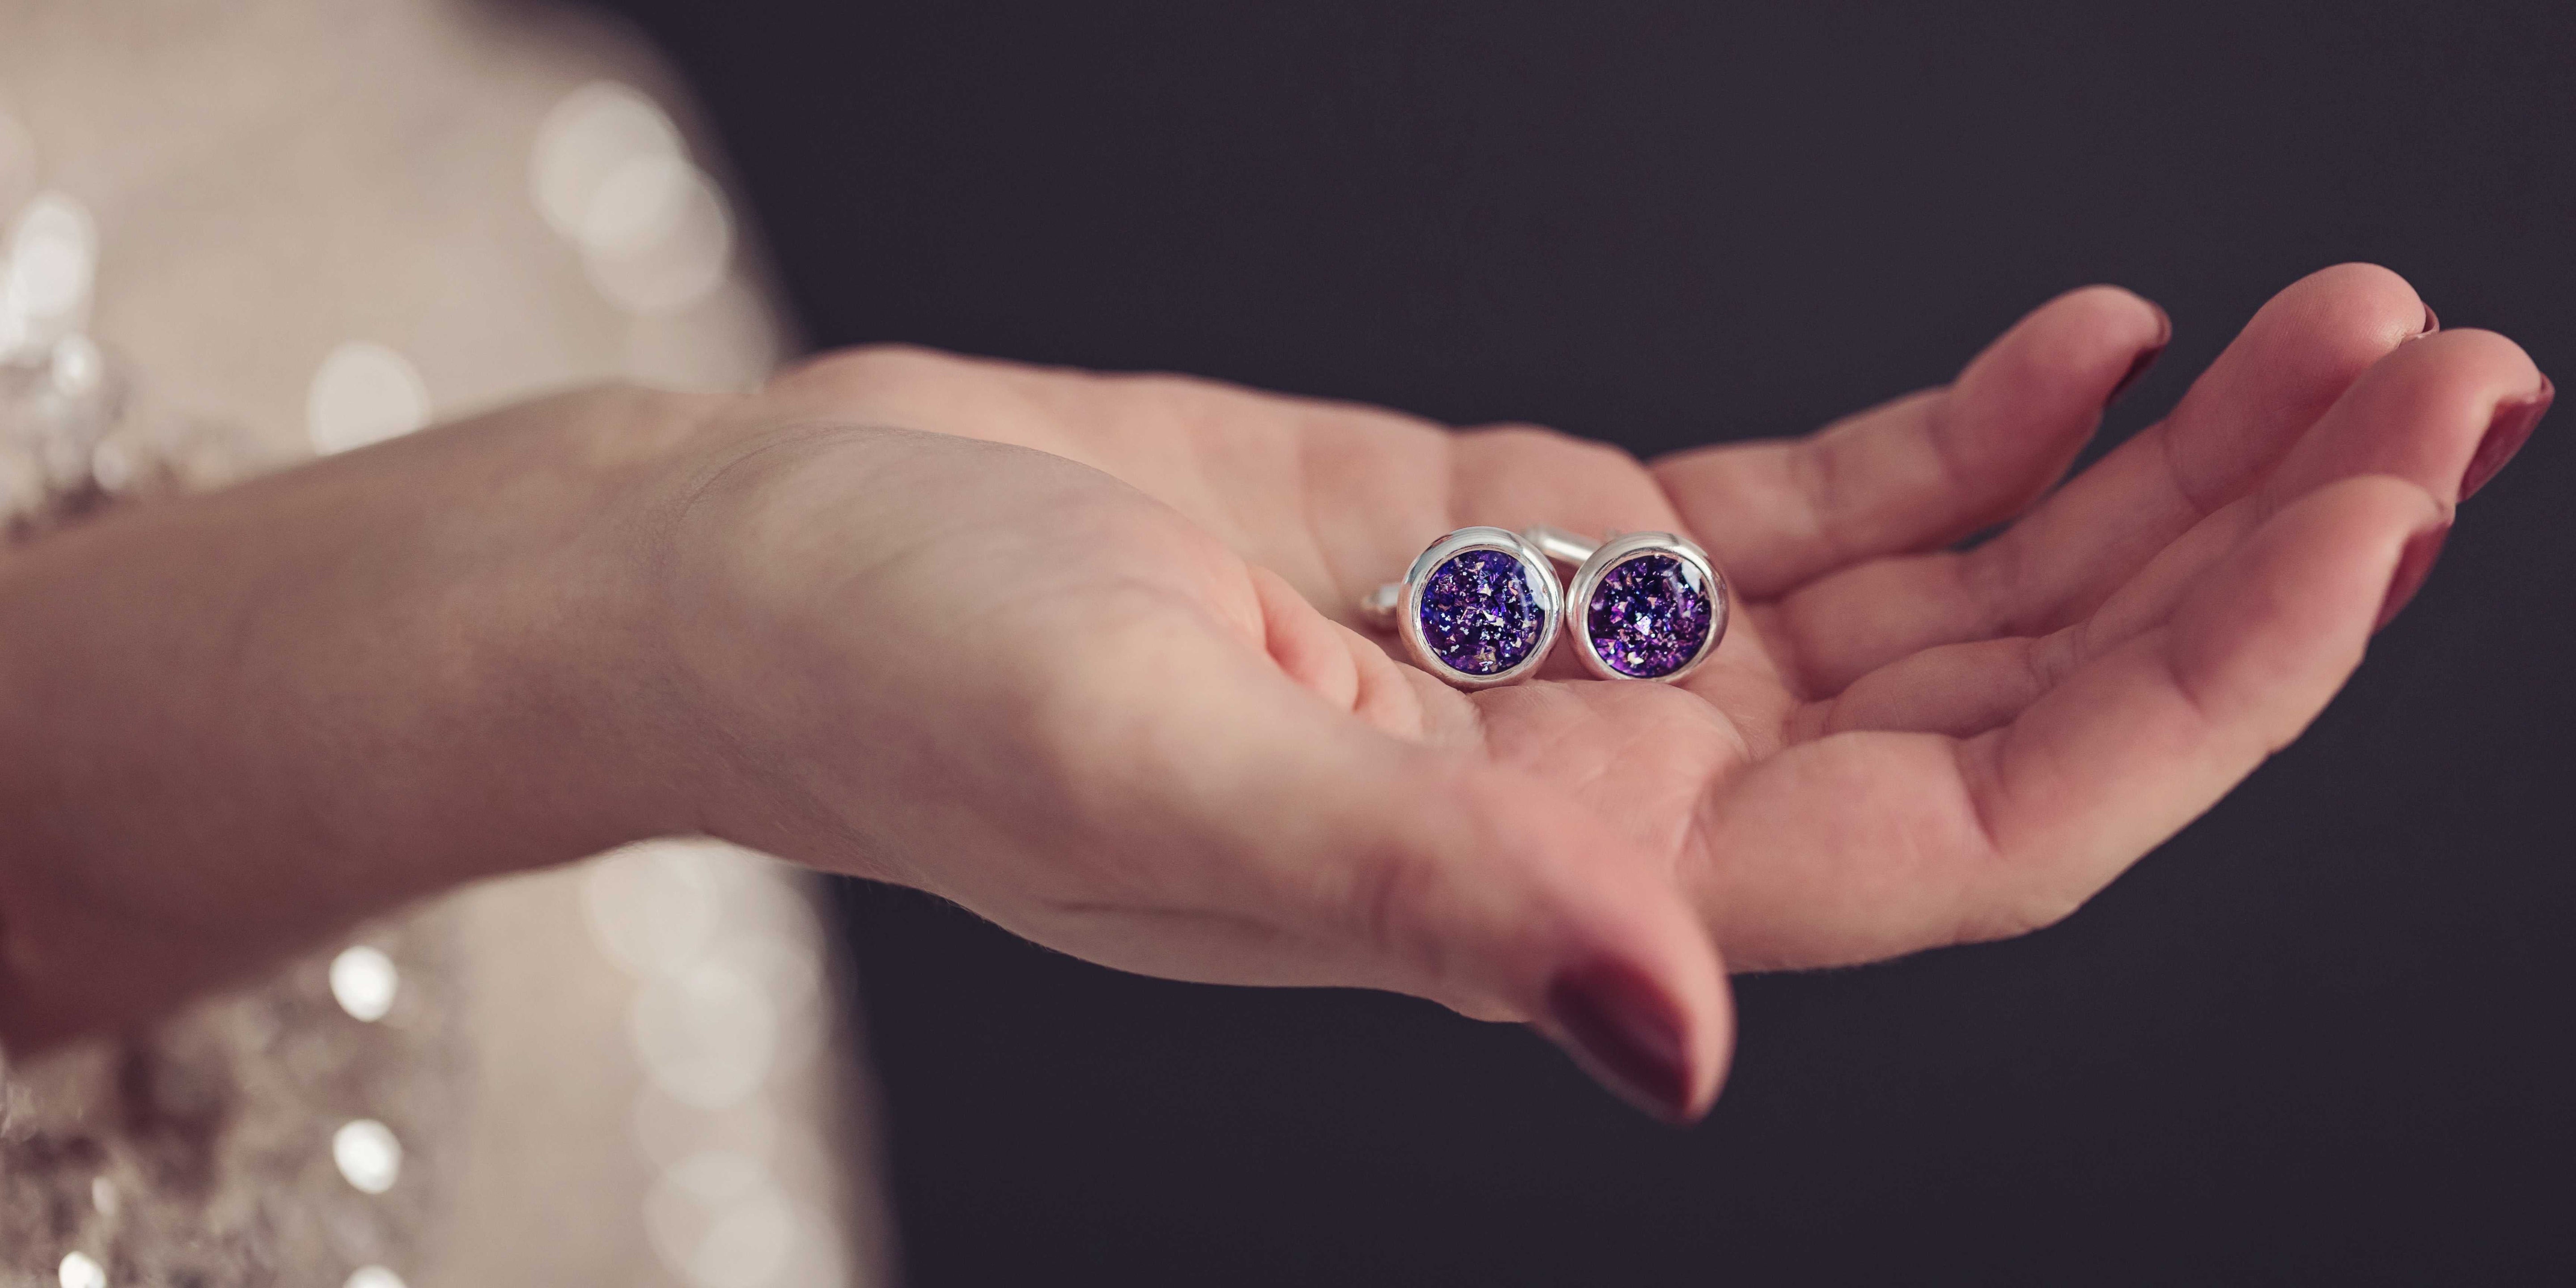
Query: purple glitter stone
(1480, 615)
(1649, 615)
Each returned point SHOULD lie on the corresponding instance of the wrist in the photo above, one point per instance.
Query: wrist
(240, 720)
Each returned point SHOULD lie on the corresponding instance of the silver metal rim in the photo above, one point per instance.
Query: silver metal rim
(1551, 595)
(1619, 550)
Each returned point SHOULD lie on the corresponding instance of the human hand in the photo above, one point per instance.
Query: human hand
(1898, 745)
(1016, 682)
(1100, 719)
(245, 719)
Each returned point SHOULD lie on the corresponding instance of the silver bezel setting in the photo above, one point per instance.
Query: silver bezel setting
(1619, 550)
(1543, 580)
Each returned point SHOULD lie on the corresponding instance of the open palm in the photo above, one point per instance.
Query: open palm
(1899, 744)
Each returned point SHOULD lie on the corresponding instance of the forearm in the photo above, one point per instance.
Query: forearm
(231, 723)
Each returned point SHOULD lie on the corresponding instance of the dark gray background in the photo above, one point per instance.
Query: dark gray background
(2323, 1035)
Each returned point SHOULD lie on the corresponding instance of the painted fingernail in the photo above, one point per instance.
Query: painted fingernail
(2146, 357)
(2137, 367)
(2506, 434)
(2414, 563)
(1626, 1033)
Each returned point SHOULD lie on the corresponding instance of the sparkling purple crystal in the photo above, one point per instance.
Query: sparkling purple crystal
(1480, 614)
(1649, 615)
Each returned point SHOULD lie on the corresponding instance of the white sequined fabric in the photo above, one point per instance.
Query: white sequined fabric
(238, 233)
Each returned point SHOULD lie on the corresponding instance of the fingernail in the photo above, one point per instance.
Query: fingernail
(2413, 564)
(1626, 1033)
(2146, 357)
(2506, 434)
(2432, 321)
(2137, 367)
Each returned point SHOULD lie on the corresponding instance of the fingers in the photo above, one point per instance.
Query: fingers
(1928, 468)
(2425, 414)
(2135, 745)
(2436, 413)
(1939, 840)
(2293, 360)
(1586, 935)
(1253, 832)
(2429, 413)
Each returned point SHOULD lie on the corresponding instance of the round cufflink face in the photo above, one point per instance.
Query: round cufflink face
(1647, 606)
(1481, 607)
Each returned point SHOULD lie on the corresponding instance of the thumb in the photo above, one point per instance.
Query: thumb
(1319, 850)
(1503, 891)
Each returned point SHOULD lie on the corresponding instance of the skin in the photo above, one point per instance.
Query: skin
(1080, 653)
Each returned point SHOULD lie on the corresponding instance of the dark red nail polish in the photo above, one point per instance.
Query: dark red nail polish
(2137, 367)
(1626, 1033)
(2414, 563)
(2432, 321)
(2506, 434)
